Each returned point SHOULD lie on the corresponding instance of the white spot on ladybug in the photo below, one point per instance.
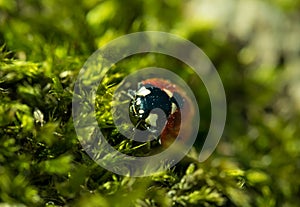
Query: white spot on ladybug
(170, 94)
(141, 111)
(174, 107)
(138, 101)
(143, 91)
(151, 119)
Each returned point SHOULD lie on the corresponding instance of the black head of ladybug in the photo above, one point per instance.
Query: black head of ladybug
(145, 100)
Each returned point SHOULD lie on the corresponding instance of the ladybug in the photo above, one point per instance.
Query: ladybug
(171, 99)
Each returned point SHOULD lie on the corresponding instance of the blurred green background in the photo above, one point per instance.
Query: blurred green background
(255, 46)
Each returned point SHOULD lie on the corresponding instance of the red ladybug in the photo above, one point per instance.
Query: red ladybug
(160, 93)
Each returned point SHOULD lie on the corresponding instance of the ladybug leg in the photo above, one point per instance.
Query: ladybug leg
(130, 93)
(141, 125)
(132, 108)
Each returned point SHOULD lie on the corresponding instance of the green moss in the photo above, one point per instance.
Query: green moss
(44, 44)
